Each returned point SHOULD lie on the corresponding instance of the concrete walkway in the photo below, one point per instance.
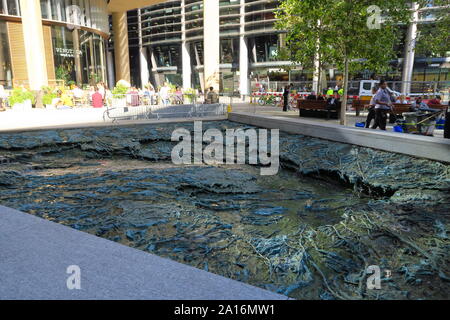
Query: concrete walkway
(35, 255)
(352, 119)
(37, 119)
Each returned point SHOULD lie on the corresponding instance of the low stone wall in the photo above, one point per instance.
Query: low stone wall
(412, 145)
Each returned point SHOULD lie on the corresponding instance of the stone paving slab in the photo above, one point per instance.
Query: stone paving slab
(35, 254)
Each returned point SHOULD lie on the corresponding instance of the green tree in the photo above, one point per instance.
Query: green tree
(350, 34)
(433, 39)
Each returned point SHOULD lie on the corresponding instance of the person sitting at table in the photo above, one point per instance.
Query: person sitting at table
(97, 99)
(179, 99)
(435, 101)
(211, 97)
(63, 101)
(312, 96)
(78, 95)
(402, 100)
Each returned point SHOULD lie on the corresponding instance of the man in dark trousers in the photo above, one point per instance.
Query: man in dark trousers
(333, 103)
(383, 104)
(286, 93)
(447, 123)
(371, 114)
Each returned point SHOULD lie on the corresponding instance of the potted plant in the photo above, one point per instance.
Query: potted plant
(48, 98)
(21, 99)
(119, 95)
(191, 95)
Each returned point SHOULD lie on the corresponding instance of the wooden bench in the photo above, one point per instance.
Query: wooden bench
(438, 106)
(315, 108)
(399, 109)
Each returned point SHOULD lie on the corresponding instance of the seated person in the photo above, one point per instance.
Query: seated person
(63, 101)
(435, 101)
(402, 100)
(179, 99)
(312, 96)
(77, 92)
(133, 97)
(420, 105)
(212, 97)
(320, 97)
(333, 103)
(97, 99)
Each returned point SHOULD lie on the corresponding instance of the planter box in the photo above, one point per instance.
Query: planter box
(25, 106)
(119, 102)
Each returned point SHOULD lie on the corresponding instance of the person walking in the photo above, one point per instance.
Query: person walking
(447, 123)
(372, 113)
(286, 93)
(383, 104)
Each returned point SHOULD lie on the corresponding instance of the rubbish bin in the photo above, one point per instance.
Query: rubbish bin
(427, 124)
(410, 123)
(420, 123)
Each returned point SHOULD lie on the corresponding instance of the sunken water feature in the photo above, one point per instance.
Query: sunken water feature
(311, 232)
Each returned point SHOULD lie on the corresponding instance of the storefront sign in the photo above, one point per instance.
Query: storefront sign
(68, 53)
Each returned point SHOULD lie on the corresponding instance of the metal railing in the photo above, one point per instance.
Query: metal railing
(417, 87)
(156, 112)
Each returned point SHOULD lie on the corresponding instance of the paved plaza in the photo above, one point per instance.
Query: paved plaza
(43, 118)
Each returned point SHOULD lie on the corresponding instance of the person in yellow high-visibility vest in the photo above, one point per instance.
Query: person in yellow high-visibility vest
(341, 92)
(330, 93)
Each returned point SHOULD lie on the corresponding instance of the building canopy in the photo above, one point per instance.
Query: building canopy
(123, 6)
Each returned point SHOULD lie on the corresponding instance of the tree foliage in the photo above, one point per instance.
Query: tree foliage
(350, 34)
(434, 36)
(341, 27)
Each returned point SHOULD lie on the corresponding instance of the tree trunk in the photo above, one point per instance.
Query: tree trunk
(345, 98)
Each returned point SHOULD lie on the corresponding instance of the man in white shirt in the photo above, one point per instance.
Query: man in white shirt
(383, 103)
(77, 93)
(3, 97)
(164, 95)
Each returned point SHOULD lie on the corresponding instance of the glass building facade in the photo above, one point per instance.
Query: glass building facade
(163, 29)
(165, 26)
(5, 59)
(75, 37)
